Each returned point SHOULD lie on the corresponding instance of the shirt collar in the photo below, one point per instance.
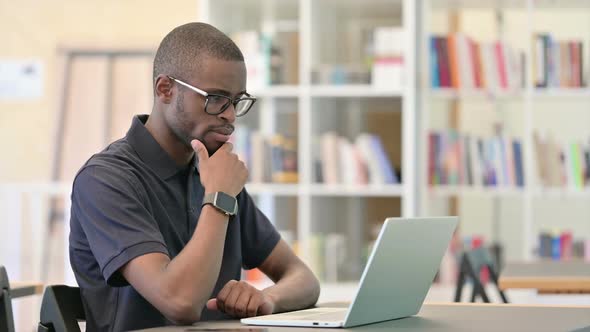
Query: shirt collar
(150, 151)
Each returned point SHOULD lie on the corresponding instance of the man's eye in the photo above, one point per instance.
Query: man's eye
(217, 100)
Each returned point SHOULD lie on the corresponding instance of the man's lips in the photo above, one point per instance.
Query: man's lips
(222, 134)
(225, 130)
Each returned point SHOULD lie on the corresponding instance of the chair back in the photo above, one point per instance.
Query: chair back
(6, 319)
(61, 309)
(471, 265)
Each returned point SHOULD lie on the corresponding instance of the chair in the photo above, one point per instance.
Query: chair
(6, 320)
(471, 264)
(61, 309)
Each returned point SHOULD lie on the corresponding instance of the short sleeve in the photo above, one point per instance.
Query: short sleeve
(115, 220)
(259, 236)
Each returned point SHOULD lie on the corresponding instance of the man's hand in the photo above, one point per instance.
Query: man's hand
(223, 171)
(240, 299)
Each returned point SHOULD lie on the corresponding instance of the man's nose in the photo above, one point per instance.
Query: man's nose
(229, 114)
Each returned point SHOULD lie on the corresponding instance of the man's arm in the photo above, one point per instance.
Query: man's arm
(295, 285)
(295, 288)
(179, 288)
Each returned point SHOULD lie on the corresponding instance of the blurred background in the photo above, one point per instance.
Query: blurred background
(367, 109)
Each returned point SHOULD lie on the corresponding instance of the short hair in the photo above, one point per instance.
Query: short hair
(184, 47)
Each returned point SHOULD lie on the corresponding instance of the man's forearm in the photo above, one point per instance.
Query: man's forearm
(300, 279)
(192, 274)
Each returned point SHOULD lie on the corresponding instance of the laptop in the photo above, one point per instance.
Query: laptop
(396, 279)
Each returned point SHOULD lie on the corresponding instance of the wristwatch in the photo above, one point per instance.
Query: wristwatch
(223, 202)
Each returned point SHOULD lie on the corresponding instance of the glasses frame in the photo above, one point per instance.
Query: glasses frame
(225, 106)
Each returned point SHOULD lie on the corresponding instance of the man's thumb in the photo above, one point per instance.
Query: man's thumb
(200, 149)
(212, 304)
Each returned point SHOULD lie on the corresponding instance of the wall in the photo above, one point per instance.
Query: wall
(35, 29)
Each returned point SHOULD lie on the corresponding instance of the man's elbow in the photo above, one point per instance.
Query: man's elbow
(183, 313)
(313, 288)
(180, 309)
(316, 289)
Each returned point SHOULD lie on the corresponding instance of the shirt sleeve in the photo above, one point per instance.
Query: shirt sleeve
(259, 236)
(115, 220)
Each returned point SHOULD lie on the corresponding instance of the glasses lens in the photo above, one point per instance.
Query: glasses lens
(243, 106)
(216, 104)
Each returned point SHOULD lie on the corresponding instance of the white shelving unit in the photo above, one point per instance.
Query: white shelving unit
(273, 188)
(360, 191)
(450, 191)
(348, 91)
(323, 27)
(278, 91)
(449, 94)
(532, 207)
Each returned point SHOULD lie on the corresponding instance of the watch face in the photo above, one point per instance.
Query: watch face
(226, 202)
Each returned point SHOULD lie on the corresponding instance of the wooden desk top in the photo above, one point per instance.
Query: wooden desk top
(547, 276)
(20, 289)
(447, 317)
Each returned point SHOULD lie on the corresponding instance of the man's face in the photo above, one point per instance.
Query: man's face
(188, 119)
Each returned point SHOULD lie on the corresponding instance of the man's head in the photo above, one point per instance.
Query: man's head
(203, 57)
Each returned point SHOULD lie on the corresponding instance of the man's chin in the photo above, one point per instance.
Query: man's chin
(212, 149)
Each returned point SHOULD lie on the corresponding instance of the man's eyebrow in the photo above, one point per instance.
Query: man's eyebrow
(217, 91)
(223, 92)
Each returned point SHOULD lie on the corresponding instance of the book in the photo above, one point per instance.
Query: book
(557, 63)
(462, 159)
(458, 61)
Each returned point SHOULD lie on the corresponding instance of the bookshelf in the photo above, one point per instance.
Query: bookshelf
(277, 91)
(451, 191)
(507, 214)
(318, 89)
(273, 188)
(445, 93)
(358, 90)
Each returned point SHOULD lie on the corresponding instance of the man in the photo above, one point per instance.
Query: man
(155, 239)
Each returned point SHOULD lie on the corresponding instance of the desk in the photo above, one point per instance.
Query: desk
(547, 276)
(453, 317)
(20, 289)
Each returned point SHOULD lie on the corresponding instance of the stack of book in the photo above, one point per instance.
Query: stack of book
(388, 58)
(362, 162)
(459, 62)
(270, 59)
(269, 158)
(557, 63)
(562, 164)
(455, 159)
(328, 256)
(561, 245)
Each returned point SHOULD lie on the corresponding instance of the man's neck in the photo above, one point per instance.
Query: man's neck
(156, 126)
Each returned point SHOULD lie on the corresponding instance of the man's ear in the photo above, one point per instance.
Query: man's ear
(163, 89)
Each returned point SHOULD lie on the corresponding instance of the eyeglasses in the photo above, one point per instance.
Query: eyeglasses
(216, 104)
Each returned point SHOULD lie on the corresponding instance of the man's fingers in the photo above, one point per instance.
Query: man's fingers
(223, 293)
(253, 306)
(212, 304)
(230, 301)
(227, 146)
(200, 150)
(241, 308)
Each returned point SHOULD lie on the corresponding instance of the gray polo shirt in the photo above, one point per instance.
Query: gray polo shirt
(132, 199)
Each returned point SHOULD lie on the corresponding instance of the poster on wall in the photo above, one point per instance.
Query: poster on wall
(20, 80)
